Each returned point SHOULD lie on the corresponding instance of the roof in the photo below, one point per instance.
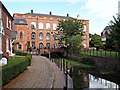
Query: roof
(6, 9)
(20, 21)
(106, 30)
(39, 14)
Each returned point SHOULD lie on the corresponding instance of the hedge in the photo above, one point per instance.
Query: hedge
(13, 70)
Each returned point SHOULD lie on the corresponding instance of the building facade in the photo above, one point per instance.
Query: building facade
(5, 30)
(38, 31)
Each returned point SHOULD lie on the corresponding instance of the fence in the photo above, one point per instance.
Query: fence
(101, 53)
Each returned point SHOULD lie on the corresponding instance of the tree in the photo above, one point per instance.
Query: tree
(95, 41)
(115, 32)
(68, 29)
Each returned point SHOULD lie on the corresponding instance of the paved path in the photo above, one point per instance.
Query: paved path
(41, 74)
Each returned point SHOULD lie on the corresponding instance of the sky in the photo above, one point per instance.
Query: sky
(98, 12)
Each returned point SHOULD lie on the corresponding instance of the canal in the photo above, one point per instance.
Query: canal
(88, 77)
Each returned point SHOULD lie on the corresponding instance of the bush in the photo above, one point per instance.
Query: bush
(87, 60)
(19, 52)
(12, 70)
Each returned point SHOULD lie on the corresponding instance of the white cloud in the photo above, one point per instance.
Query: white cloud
(101, 9)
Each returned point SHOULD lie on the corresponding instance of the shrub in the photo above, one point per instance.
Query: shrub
(19, 52)
(14, 68)
(87, 60)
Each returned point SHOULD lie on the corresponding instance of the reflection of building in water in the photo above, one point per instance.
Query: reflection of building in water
(101, 83)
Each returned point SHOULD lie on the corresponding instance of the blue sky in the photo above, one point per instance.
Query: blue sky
(98, 12)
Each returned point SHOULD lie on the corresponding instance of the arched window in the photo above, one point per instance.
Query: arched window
(21, 35)
(48, 26)
(41, 36)
(41, 46)
(55, 45)
(33, 36)
(33, 25)
(20, 46)
(48, 36)
(54, 26)
(33, 44)
(41, 25)
(55, 36)
(48, 45)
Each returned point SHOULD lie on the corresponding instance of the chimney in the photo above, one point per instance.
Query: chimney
(31, 11)
(67, 15)
(50, 13)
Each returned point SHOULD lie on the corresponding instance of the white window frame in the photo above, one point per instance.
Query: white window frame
(10, 25)
(34, 25)
(47, 26)
(54, 26)
(7, 45)
(85, 28)
(1, 44)
(41, 36)
(41, 25)
(48, 37)
(7, 21)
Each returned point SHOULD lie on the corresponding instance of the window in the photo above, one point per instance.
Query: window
(48, 45)
(33, 25)
(48, 36)
(55, 45)
(21, 35)
(54, 26)
(33, 36)
(0, 13)
(7, 45)
(41, 25)
(85, 37)
(84, 45)
(7, 21)
(33, 44)
(84, 28)
(10, 24)
(19, 46)
(47, 26)
(41, 36)
(0, 44)
(41, 46)
(55, 36)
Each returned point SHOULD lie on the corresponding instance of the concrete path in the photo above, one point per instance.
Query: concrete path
(41, 74)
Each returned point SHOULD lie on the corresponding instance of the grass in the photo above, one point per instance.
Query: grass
(15, 60)
(101, 53)
(73, 63)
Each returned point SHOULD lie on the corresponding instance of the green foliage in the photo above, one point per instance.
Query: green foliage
(115, 31)
(70, 29)
(95, 41)
(76, 43)
(87, 60)
(15, 66)
(19, 52)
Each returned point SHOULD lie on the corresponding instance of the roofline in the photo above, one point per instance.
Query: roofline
(6, 9)
(37, 14)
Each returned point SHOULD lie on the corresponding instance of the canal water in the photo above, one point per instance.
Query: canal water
(84, 80)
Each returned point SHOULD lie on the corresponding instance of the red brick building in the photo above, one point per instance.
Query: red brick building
(5, 30)
(39, 30)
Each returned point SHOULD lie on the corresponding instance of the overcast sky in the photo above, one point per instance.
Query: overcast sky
(98, 12)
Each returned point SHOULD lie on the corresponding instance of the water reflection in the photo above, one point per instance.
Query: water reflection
(83, 80)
